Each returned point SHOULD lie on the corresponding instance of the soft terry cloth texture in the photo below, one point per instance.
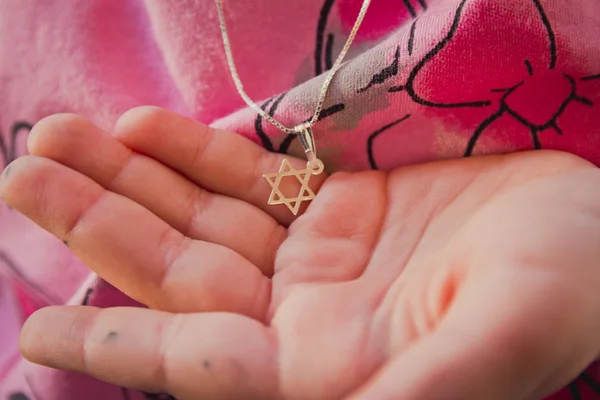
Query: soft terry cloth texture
(426, 80)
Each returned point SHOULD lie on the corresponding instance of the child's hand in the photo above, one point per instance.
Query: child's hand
(467, 279)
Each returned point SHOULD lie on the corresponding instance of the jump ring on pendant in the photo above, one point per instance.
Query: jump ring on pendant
(315, 167)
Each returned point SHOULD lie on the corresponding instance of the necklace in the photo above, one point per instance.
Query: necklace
(304, 131)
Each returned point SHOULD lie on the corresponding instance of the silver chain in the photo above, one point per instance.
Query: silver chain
(336, 66)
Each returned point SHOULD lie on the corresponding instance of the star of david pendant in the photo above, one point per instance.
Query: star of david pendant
(314, 166)
(303, 176)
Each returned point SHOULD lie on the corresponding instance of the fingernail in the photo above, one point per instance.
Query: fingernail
(4, 181)
(3, 177)
(6, 171)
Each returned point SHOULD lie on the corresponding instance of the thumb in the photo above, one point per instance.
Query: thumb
(491, 347)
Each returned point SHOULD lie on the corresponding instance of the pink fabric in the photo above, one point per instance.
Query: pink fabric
(426, 80)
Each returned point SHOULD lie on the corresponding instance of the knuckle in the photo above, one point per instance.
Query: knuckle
(204, 139)
(199, 202)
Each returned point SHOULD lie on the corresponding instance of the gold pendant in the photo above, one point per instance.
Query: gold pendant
(303, 176)
(314, 166)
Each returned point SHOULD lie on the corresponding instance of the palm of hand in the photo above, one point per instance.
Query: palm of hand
(463, 279)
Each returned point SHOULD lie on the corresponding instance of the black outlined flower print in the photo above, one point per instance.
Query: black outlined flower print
(8, 144)
(479, 67)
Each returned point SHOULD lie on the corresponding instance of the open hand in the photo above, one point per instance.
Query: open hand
(465, 279)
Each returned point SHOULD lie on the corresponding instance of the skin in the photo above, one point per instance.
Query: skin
(463, 279)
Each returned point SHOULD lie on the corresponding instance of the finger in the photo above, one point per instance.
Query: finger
(192, 356)
(221, 161)
(80, 145)
(489, 347)
(129, 246)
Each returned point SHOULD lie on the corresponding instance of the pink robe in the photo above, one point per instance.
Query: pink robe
(425, 80)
